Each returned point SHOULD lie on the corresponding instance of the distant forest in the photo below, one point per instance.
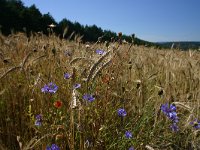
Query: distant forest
(15, 17)
(181, 45)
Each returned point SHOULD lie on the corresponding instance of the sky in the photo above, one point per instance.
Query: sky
(151, 20)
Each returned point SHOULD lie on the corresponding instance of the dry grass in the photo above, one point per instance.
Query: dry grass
(138, 79)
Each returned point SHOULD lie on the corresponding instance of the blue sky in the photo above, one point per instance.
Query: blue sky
(151, 20)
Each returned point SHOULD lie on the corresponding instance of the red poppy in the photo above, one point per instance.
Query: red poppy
(57, 104)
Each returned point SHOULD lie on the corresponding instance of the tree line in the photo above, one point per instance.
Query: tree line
(14, 16)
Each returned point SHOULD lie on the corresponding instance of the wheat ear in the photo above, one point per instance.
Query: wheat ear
(93, 67)
(9, 70)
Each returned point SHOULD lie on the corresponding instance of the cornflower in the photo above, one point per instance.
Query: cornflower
(174, 127)
(128, 135)
(131, 148)
(67, 76)
(77, 85)
(53, 147)
(88, 97)
(170, 112)
(196, 124)
(100, 52)
(121, 112)
(38, 121)
(50, 88)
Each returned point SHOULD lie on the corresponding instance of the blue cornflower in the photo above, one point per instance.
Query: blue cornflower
(173, 116)
(121, 112)
(67, 76)
(172, 107)
(48, 148)
(100, 52)
(128, 135)
(131, 148)
(53, 147)
(170, 111)
(166, 108)
(174, 127)
(38, 121)
(88, 97)
(196, 124)
(39, 117)
(77, 85)
(50, 88)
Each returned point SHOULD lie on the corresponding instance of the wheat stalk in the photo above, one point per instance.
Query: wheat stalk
(100, 69)
(77, 59)
(93, 67)
(34, 142)
(25, 60)
(9, 71)
(65, 32)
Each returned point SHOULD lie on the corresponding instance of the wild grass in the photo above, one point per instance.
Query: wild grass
(136, 78)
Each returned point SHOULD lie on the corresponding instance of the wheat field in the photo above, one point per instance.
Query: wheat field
(66, 94)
